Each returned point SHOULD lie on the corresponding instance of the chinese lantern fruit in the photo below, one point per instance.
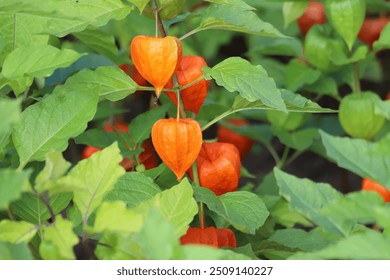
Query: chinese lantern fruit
(210, 236)
(177, 142)
(358, 117)
(371, 29)
(226, 135)
(147, 157)
(156, 58)
(134, 74)
(219, 167)
(314, 14)
(190, 69)
(369, 185)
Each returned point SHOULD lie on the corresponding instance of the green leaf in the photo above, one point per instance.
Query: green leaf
(308, 198)
(48, 124)
(229, 18)
(161, 244)
(60, 235)
(298, 140)
(93, 178)
(33, 210)
(140, 4)
(55, 167)
(9, 251)
(133, 188)
(109, 82)
(326, 85)
(384, 39)
(372, 245)
(244, 210)
(99, 41)
(37, 61)
(299, 74)
(11, 185)
(16, 231)
(9, 114)
(21, 84)
(252, 82)
(347, 17)
(176, 205)
(367, 159)
(239, 4)
(292, 11)
(141, 126)
(195, 252)
(126, 221)
(97, 138)
(274, 46)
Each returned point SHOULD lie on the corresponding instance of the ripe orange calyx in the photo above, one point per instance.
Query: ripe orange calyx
(369, 185)
(177, 142)
(190, 69)
(156, 59)
(210, 236)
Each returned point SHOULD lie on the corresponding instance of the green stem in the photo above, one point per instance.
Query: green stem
(192, 32)
(197, 183)
(217, 119)
(282, 161)
(356, 75)
(197, 80)
(293, 157)
(273, 153)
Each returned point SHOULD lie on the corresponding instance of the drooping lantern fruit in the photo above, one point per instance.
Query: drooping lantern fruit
(156, 58)
(358, 117)
(314, 14)
(210, 236)
(147, 157)
(130, 70)
(371, 29)
(226, 135)
(219, 167)
(190, 69)
(369, 185)
(177, 142)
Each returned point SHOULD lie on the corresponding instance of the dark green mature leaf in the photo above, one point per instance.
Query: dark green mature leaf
(252, 82)
(370, 245)
(274, 46)
(97, 138)
(47, 125)
(244, 210)
(16, 231)
(133, 188)
(384, 39)
(9, 251)
(141, 126)
(299, 74)
(99, 41)
(367, 159)
(60, 235)
(308, 198)
(11, 185)
(230, 18)
(33, 210)
(37, 61)
(346, 17)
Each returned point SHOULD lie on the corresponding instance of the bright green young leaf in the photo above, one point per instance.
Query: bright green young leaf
(20, 85)
(161, 244)
(32, 210)
(298, 140)
(133, 188)
(9, 251)
(367, 159)
(239, 4)
(292, 11)
(176, 205)
(16, 231)
(99, 41)
(37, 61)
(55, 167)
(60, 235)
(340, 58)
(252, 82)
(120, 247)
(298, 238)
(308, 198)
(126, 220)
(9, 115)
(93, 178)
(299, 74)
(141, 126)
(370, 245)
(11, 185)
(140, 4)
(230, 18)
(384, 39)
(195, 252)
(48, 124)
(244, 210)
(284, 216)
(346, 17)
